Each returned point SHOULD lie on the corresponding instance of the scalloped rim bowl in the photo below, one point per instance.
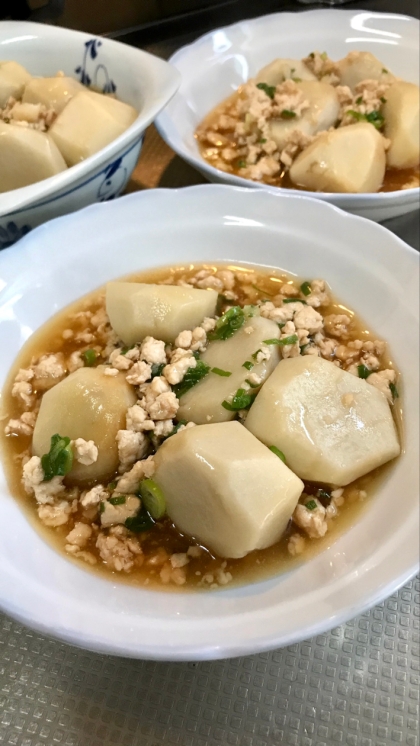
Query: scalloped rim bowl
(69, 257)
(217, 63)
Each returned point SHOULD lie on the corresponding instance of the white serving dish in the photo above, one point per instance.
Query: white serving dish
(137, 78)
(218, 63)
(368, 268)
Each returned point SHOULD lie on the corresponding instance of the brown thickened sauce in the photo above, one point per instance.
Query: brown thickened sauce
(258, 565)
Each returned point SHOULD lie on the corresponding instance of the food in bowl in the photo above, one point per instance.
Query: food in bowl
(49, 124)
(341, 127)
(199, 426)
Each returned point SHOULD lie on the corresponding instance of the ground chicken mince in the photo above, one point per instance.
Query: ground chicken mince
(262, 131)
(95, 523)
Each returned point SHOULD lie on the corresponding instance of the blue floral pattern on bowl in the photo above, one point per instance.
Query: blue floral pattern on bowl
(10, 233)
(91, 75)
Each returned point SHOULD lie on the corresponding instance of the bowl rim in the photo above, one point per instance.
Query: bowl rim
(340, 198)
(24, 197)
(379, 587)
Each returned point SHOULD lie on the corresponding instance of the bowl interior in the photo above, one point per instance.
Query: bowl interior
(49, 269)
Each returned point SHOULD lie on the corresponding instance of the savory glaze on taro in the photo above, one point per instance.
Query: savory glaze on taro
(199, 426)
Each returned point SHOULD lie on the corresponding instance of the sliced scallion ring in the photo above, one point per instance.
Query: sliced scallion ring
(153, 498)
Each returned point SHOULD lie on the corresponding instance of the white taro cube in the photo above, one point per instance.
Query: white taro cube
(90, 405)
(332, 426)
(137, 310)
(203, 402)
(225, 488)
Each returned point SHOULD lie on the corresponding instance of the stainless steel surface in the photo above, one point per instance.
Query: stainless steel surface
(355, 686)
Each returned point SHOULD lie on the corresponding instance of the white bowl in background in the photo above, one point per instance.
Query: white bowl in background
(368, 268)
(218, 63)
(136, 77)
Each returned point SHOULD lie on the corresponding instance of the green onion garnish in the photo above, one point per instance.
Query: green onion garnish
(295, 300)
(285, 341)
(220, 372)
(120, 500)
(394, 391)
(287, 114)
(311, 505)
(306, 288)
(363, 371)
(268, 89)
(248, 365)
(59, 460)
(89, 356)
(140, 522)
(228, 324)
(153, 498)
(101, 507)
(157, 369)
(254, 356)
(383, 99)
(242, 164)
(359, 100)
(278, 453)
(191, 378)
(375, 118)
(176, 428)
(241, 400)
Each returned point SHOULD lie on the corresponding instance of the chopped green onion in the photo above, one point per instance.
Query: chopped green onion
(268, 89)
(383, 99)
(323, 494)
(306, 288)
(262, 141)
(285, 341)
(394, 391)
(59, 460)
(153, 498)
(157, 369)
(303, 348)
(311, 505)
(375, 118)
(281, 324)
(120, 500)
(112, 485)
(255, 355)
(384, 70)
(127, 349)
(101, 507)
(89, 356)
(324, 56)
(297, 80)
(287, 114)
(176, 428)
(359, 100)
(140, 522)
(363, 371)
(228, 324)
(295, 300)
(248, 365)
(242, 164)
(241, 400)
(191, 378)
(278, 453)
(220, 372)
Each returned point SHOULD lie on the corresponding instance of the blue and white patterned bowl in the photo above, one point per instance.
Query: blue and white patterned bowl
(138, 78)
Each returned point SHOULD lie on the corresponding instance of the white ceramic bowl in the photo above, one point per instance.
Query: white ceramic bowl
(217, 63)
(136, 77)
(368, 267)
